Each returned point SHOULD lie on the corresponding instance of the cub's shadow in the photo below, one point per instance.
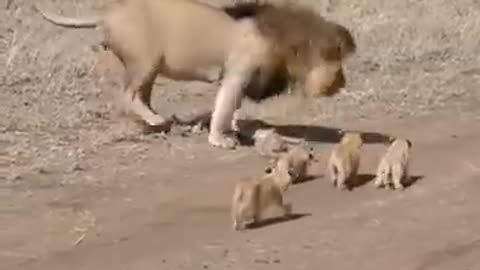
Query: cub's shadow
(362, 180)
(276, 220)
(308, 178)
(308, 132)
(412, 180)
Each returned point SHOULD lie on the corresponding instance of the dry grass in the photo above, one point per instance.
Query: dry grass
(413, 57)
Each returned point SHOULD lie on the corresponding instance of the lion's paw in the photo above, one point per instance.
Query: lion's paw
(156, 120)
(158, 125)
(222, 141)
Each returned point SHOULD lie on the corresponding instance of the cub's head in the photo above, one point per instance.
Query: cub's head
(392, 139)
(352, 138)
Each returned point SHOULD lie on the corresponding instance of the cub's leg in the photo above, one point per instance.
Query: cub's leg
(333, 172)
(287, 209)
(240, 205)
(342, 175)
(277, 201)
(382, 174)
(236, 217)
(342, 179)
(353, 179)
(244, 205)
(240, 216)
(397, 176)
(406, 173)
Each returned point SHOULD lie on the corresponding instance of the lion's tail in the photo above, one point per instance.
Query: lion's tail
(89, 22)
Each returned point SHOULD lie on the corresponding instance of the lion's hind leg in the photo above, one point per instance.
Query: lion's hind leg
(138, 90)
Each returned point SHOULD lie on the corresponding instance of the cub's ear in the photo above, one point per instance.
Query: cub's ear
(311, 155)
(390, 140)
(409, 143)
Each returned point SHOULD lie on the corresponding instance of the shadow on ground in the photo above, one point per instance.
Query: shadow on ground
(308, 178)
(406, 183)
(308, 132)
(413, 180)
(362, 179)
(249, 126)
(276, 220)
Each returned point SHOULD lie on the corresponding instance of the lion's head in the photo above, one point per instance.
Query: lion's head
(311, 47)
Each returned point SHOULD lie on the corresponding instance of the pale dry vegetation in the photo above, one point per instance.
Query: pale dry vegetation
(414, 57)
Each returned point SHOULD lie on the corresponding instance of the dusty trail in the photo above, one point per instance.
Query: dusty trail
(81, 190)
(392, 229)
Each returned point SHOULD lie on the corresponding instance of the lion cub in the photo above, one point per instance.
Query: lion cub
(252, 196)
(295, 160)
(345, 160)
(393, 167)
(269, 143)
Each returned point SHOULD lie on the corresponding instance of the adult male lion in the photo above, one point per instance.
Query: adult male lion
(259, 47)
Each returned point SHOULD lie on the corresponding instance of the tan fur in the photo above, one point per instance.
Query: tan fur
(295, 160)
(345, 160)
(311, 47)
(393, 167)
(252, 197)
(189, 40)
(269, 143)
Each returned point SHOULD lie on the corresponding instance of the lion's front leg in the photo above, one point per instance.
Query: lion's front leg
(244, 59)
(226, 103)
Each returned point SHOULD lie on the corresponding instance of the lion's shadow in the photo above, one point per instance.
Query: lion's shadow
(309, 133)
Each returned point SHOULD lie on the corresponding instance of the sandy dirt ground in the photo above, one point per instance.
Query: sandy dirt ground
(82, 188)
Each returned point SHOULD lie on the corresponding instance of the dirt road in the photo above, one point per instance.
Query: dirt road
(81, 189)
(164, 219)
